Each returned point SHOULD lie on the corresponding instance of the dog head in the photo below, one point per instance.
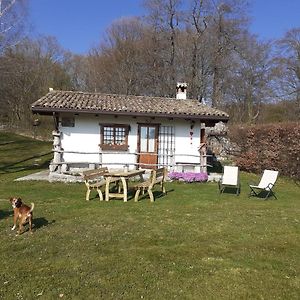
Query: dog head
(15, 202)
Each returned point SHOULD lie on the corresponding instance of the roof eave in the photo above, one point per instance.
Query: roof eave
(47, 111)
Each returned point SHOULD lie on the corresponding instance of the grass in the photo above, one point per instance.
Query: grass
(190, 244)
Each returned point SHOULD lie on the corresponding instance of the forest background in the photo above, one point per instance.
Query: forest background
(206, 43)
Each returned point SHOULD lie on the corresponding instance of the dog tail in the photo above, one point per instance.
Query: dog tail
(32, 207)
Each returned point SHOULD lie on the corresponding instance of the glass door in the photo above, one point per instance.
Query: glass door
(148, 145)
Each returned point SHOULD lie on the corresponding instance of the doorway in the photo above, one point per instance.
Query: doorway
(148, 145)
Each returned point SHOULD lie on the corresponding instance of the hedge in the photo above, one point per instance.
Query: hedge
(270, 146)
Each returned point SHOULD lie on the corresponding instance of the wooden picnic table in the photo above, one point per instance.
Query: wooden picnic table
(124, 176)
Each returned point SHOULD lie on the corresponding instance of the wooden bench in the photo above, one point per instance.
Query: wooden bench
(94, 179)
(157, 176)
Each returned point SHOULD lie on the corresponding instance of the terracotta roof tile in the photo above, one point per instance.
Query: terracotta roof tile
(59, 101)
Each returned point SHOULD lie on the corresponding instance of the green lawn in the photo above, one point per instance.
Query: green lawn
(190, 244)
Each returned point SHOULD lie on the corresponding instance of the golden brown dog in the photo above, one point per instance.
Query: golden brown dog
(23, 213)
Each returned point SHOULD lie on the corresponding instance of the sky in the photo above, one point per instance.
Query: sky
(78, 25)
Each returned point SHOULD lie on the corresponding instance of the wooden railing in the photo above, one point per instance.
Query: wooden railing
(173, 157)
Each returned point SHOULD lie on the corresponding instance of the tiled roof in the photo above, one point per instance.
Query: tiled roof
(66, 101)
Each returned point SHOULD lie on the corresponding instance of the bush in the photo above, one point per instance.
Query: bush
(189, 176)
(272, 146)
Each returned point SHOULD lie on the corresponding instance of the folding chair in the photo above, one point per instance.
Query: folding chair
(265, 185)
(230, 179)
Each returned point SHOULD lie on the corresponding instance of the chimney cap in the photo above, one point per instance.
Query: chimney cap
(181, 84)
(50, 89)
(181, 90)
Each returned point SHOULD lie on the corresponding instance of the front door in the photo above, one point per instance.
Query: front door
(147, 145)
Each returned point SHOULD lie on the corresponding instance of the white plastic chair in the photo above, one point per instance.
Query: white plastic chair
(266, 184)
(230, 179)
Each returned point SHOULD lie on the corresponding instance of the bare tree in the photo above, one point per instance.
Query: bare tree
(164, 17)
(115, 66)
(77, 68)
(249, 82)
(228, 20)
(207, 44)
(198, 50)
(28, 70)
(12, 15)
(288, 67)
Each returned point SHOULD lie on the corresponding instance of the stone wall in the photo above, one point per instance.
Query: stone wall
(219, 144)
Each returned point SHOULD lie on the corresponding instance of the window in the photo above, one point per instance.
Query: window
(67, 122)
(147, 139)
(114, 137)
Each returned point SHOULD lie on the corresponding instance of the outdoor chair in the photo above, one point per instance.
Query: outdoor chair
(230, 179)
(265, 185)
(94, 179)
(157, 177)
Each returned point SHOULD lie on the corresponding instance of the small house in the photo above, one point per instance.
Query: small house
(125, 131)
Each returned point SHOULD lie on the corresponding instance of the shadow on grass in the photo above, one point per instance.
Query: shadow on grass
(131, 194)
(5, 214)
(38, 223)
(15, 167)
(156, 194)
(230, 190)
(41, 222)
(6, 143)
(263, 195)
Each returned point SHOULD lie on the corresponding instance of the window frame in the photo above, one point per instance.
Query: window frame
(113, 146)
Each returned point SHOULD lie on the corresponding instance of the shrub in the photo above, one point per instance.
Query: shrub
(271, 146)
(189, 176)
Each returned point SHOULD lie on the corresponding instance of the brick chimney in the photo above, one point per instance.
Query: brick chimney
(181, 90)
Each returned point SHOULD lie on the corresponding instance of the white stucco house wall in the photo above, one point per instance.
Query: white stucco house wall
(130, 132)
